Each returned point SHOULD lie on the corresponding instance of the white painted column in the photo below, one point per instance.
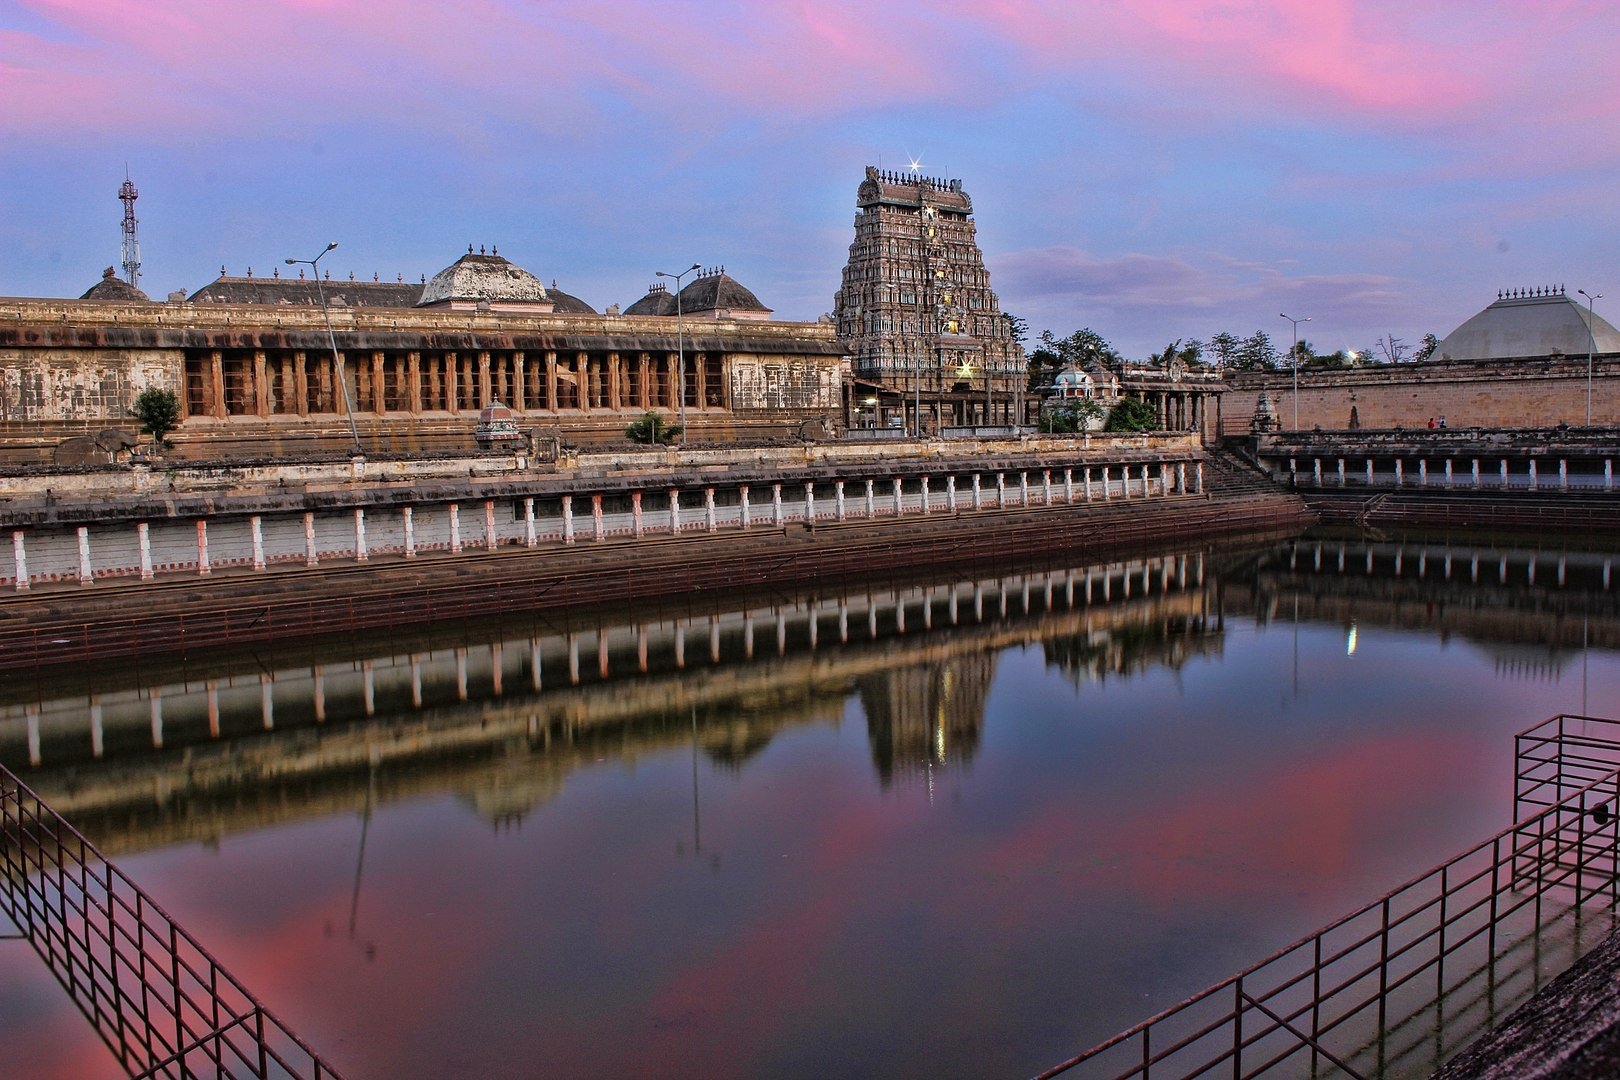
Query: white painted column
(528, 522)
(455, 526)
(743, 493)
(32, 713)
(1504, 471)
(598, 533)
(408, 517)
(871, 500)
(203, 569)
(87, 573)
(978, 493)
(256, 528)
(1144, 481)
(809, 502)
(776, 505)
(143, 540)
(359, 534)
(1475, 471)
(1399, 466)
(1341, 472)
(1068, 486)
(1106, 494)
(1316, 471)
(311, 556)
(923, 487)
(489, 525)
(1023, 487)
(675, 510)
(1181, 476)
(1046, 487)
(1001, 490)
(1199, 468)
(838, 498)
(1449, 476)
(708, 509)
(1423, 472)
(1532, 474)
(1563, 474)
(568, 519)
(950, 492)
(1087, 477)
(899, 498)
(1369, 470)
(635, 514)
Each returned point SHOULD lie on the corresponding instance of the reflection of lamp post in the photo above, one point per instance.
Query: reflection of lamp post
(680, 346)
(1591, 335)
(1295, 356)
(331, 339)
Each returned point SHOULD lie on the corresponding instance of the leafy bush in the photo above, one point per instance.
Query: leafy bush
(651, 428)
(158, 410)
(1131, 414)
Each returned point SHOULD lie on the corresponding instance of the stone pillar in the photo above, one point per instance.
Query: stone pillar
(359, 534)
(1198, 469)
(615, 390)
(568, 518)
(1449, 473)
(1144, 481)
(1532, 474)
(838, 499)
(86, 572)
(598, 533)
(950, 492)
(528, 522)
(489, 525)
(635, 514)
(455, 526)
(216, 384)
(1316, 471)
(1423, 472)
(899, 498)
(1475, 471)
(1068, 486)
(674, 510)
(809, 502)
(742, 495)
(256, 527)
(708, 509)
(1608, 474)
(408, 514)
(978, 493)
(923, 487)
(871, 500)
(1107, 494)
(486, 392)
(776, 505)
(1087, 477)
(413, 381)
(1504, 472)
(1046, 487)
(551, 381)
(311, 555)
(143, 539)
(1181, 476)
(1023, 487)
(1563, 474)
(203, 569)
(261, 384)
(300, 383)
(1369, 470)
(1001, 490)
(1399, 466)
(1341, 472)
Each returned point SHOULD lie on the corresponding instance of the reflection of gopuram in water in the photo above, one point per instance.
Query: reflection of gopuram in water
(174, 753)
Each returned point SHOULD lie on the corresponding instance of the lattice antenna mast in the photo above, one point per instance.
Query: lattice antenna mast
(132, 244)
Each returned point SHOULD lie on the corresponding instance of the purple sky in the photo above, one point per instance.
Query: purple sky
(1155, 169)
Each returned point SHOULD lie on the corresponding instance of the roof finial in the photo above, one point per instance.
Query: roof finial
(480, 249)
(493, 250)
(469, 249)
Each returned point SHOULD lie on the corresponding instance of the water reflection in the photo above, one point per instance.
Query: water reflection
(1003, 815)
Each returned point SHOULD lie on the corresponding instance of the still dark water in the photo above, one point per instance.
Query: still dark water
(963, 827)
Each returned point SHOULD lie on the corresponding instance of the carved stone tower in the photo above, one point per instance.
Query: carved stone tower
(916, 312)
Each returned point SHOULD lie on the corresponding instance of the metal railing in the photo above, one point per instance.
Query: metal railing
(1398, 986)
(155, 996)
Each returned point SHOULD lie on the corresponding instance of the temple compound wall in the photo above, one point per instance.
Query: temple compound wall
(1489, 393)
(257, 380)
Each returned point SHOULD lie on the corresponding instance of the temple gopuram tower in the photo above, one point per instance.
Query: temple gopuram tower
(927, 337)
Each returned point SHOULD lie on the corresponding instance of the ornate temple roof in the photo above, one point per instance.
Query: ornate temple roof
(113, 287)
(476, 279)
(1529, 323)
(566, 302)
(658, 301)
(300, 290)
(911, 190)
(716, 294)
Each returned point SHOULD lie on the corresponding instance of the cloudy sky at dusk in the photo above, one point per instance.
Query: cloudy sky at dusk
(1154, 169)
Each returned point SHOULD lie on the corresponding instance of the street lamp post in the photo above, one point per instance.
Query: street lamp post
(331, 339)
(1294, 356)
(1591, 334)
(680, 346)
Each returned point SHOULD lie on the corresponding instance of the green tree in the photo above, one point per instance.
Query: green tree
(1079, 349)
(1426, 350)
(158, 410)
(1256, 353)
(1224, 347)
(1071, 417)
(651, 428)
(1018, 326)
(1131, 414)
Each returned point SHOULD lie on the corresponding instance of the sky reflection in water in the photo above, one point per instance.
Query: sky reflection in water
(921, 856)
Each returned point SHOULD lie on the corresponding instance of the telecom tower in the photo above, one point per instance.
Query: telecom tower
(132, 244)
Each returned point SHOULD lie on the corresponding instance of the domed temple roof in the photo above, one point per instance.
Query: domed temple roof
(113, 287)
(718, 295)
(476, 279)
(1529, 323)
(658, 301)
(565, 302)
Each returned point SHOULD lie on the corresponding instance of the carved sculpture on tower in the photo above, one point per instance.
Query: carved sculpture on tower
(915, 311)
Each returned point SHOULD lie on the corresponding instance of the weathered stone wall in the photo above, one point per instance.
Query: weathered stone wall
(1541, 393)
(95, 386)
(778, 384)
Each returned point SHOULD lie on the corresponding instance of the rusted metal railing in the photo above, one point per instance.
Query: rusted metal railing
(1398, 986)
(160, 1002)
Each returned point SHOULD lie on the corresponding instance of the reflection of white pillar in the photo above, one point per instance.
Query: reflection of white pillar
(748, 635)
(86, 572)
(1504, 472)
(497, 667)
(319, 692)
(416, 680)
(597, 531)
(573, 659)
(534, 663)
(742, 495)
(635, 514)
(368, 685)
(680, 645)
(1608, 474)
(1316, 471)
(98, 740)
(528, 523)
(602, 654)
(203, 568)
(461, 673)
(155, 707)
(714, 639)
(213, 707)
(1341, 472)
(708, 509)
(1475, 471)
(32, 713)
(267, 702)
(359, 534)
(568, 519)
(408, 516)
(1423, 472)
(311, 556)
(1369, 470)
(455, 527)
(143, 540)
(674, 510)
(256, 528)
(1106, 483)
(1450, 476)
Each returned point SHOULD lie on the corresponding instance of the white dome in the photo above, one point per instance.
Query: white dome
(488, 279)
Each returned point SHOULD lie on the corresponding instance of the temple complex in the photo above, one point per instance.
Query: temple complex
(928, 343)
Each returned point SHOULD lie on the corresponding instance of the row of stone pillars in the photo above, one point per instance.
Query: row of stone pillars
(1474, 477)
